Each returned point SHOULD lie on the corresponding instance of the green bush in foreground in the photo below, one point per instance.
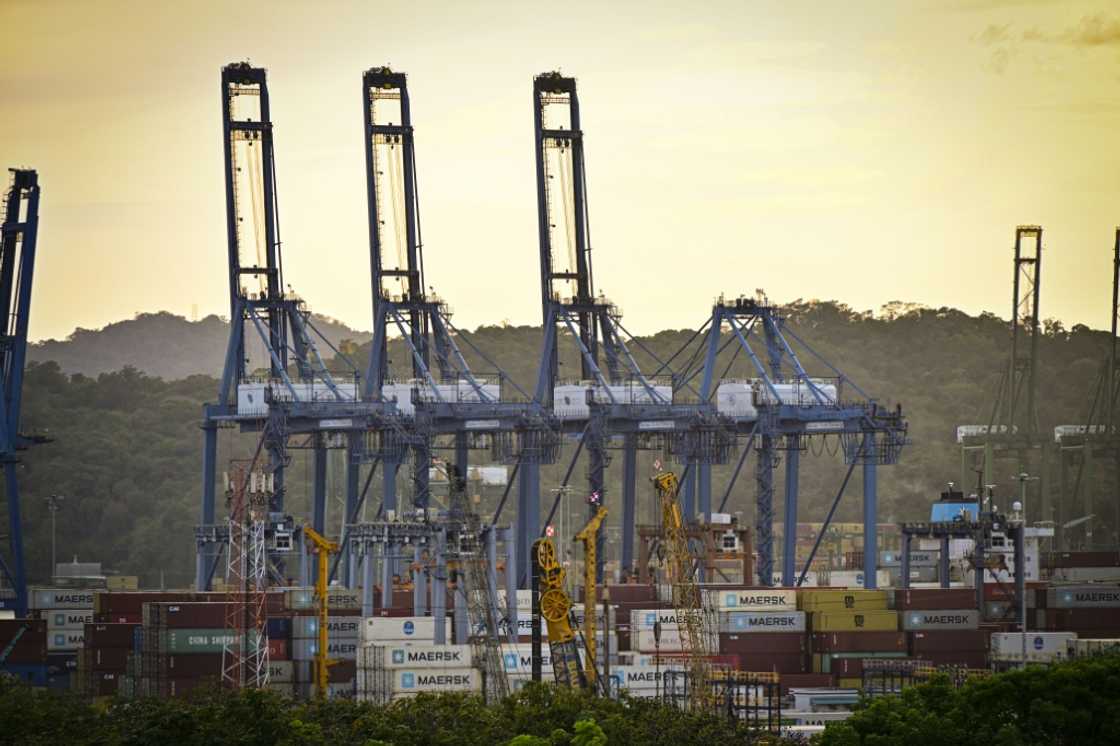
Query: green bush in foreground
(536, 716)
(1072, 703)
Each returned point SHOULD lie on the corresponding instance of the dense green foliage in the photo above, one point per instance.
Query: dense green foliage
(1071, 703)
(127, 450)
(536, 716)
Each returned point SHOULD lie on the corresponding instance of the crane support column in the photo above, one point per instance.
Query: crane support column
(528, 518)
(206, 557)
(870, 513)
(764, 510)
(789, 538)
(353, 476)
(629, 499)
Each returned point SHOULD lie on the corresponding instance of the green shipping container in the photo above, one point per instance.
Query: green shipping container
(184, 641)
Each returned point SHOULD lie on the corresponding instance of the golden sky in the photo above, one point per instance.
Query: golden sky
(858, 151)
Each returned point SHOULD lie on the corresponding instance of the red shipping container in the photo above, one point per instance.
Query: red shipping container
(966, 641)
(762, 642)
(104, 683)
(192, 665)
(782, 663)
(109, 636)
(25, 640)
(110, 659)
(1080, 619)
(278, 649)
(115, 618)
(804, 680)
(935, 598)
(858, 642)
(965, 659)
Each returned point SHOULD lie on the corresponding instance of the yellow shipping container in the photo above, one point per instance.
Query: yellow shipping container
(122, 583)
(817, 663)
(841, 599)
(854, 621)
(850, 683)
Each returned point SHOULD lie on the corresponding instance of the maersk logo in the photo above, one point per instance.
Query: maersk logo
(511, 660)
(409, 628)
(1038, 643)
(731, 599)
(1067, 597)
(651, 618)
(916, 619)
(398, 656)
(408, 680)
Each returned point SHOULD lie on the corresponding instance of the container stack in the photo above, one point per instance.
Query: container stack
(944, 626)
(839, 619)
(1091, 610)
(66, 612)
(763, 629)
(103, 662)
(344, 627)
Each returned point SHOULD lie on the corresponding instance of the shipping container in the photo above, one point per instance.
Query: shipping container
(934, 598)
(783, 663)
(59, 598)
(1040, 646)
(752, 599)
(67, 619)
(944, 641)
(1084, 647)
(1083, 619)
(280, 672)
(338, 627)
(435, 680)
(66, 639)
(396, 629)
(337, 598)
(765, 621)
(670, 642)
(644, 619)
(24, 640)
(305, 650)
(278, 649)
(637, 678)
(854, 621)
(197, 665)
(422, 656)
(917, 559)
(854, 642)
(110, 635)
(771, 642)
(921, 619)
(1084, 597)
(832, 599)
(109, 659)
(187, 641)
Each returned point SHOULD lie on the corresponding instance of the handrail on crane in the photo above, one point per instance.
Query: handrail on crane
(589, 535)
(324, 547)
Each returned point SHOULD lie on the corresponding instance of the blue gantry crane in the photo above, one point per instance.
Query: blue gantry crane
(275, 383)
(18, 236)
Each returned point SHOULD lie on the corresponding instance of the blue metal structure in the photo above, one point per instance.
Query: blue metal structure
(613, 398)
(18, 236)
(442, 401)
(291, 400)
(779, 410)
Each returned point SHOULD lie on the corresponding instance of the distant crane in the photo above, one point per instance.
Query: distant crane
(18, 236)
(589, 536)
(323, 661)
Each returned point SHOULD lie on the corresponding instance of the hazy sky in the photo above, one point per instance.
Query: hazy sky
(857, 151)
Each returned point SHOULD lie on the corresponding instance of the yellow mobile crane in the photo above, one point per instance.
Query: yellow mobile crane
(555, 604)
(588, 535)
(696, 628)
(324, 547)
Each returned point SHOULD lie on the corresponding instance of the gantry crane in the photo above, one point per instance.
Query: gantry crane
(18, 236)
(589, 536)
(323, 662)
(695, 622)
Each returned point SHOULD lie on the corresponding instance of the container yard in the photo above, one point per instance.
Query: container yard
(733, 519)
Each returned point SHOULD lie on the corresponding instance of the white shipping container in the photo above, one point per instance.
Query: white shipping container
(1041, 646)
(348, 599)
(524, 600)
(338, 627)
(671, 642)
(923, 619)
(1084, 597)
(417, 656)
(753, 599)
(75, 619)
(59, 598)
(280, 672)
(518, 659)
(435, 680)
(1081, 647)
(66, 639)
(306, 650)
(763, 621)
(636, 678)
(401, 628)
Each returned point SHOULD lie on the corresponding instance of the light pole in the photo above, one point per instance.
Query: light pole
(54, 504)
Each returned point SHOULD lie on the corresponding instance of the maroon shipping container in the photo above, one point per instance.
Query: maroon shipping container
(965, 641)
(278, 649)
(116, 618)
(402, 612)
(965, 659)
(782, 663)
(1060, 620)
(191, 665)
(184, 686)
(846, 667)
(858, 642)
(805, 680)
(1080, 559)
(25, 641)
(104, 683)
(934, 598)
(109, 659)
(115, 603)
(341, 672)
(109, 636)
(762, 642)
(624, 593)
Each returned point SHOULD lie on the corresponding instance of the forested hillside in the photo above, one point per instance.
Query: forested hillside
(159, 344)
(127, 447)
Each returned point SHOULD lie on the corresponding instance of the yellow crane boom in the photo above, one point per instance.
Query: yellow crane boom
(324, 547)
(589, 535)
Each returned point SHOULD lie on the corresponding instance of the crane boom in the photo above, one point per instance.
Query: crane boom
(324, 547)
(695, 620)
(589, 536)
